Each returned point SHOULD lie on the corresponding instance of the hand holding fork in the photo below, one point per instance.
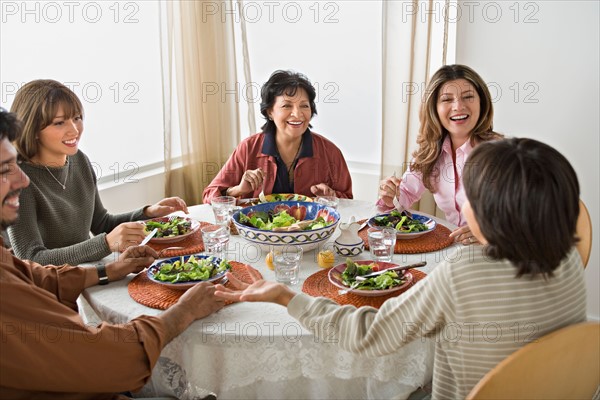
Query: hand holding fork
(261, 195)
(388, 191)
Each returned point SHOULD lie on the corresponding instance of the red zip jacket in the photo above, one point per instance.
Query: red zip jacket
(327, 165)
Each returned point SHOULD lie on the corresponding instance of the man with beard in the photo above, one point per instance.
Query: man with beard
(46, 350)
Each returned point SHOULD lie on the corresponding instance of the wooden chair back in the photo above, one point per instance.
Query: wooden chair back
(564, 364)
(584, 233)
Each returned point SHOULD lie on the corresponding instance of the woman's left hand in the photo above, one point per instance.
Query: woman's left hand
(166, 207)
(322, 190)
(464, 235)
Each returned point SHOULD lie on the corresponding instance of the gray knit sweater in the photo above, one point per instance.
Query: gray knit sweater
(54, 225)
(474, 308)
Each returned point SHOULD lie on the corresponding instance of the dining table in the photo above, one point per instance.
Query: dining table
(257, 350)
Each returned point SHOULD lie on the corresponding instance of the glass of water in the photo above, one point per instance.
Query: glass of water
(330, 201)
(287, 264)
(381, 243)
(223, 207)
(215, 238)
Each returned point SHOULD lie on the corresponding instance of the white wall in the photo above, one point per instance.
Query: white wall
(553, 61)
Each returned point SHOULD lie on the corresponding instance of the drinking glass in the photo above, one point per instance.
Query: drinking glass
(381, 243)
(287, 264)
(215, 238)
(330, 201)
(223, 207)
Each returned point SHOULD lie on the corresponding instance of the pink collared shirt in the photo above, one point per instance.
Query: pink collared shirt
(449, 196)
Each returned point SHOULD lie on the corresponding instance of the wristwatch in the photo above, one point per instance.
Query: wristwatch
(102, 278)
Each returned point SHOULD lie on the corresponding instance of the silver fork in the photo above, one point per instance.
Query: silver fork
(261, 195)
(353, 286)
(397, 204)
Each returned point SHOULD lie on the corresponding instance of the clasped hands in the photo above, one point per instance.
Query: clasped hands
(259, 290)
(132, 233)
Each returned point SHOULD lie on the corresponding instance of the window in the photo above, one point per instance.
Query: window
(108, 53)
(321, 39)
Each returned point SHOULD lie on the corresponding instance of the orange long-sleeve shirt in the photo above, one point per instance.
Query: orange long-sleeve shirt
(47, 351)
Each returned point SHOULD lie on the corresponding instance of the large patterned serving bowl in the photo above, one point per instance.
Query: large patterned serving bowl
(308, 240)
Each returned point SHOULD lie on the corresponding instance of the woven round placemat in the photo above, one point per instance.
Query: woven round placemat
(318, 285)
(435, 240)
(155, 295)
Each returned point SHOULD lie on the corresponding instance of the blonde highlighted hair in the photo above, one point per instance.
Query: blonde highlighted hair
(432, 133)
(36, 105)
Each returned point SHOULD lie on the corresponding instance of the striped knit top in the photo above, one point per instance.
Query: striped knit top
(474, 307)
(54, 224)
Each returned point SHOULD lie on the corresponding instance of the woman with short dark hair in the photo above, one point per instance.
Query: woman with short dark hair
(286, 157)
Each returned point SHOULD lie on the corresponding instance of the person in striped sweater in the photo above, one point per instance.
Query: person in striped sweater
(524, 281)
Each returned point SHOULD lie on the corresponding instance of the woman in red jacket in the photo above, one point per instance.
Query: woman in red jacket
(286, 157)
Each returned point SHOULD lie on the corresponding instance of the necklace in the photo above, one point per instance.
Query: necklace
(292, 165)
(63, 185)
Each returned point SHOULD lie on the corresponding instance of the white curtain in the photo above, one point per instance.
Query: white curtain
(415, 38)
(200, 93)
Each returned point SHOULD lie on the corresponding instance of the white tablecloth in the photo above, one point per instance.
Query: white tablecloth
(256, 350)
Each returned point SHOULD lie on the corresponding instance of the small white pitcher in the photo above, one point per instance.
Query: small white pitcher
(349, 244)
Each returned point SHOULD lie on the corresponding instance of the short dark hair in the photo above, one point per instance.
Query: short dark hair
(525, 197)
(284, 83)
(10, 126)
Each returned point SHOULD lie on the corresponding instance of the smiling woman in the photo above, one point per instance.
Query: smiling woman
(62, 205)
(456, 115)
(286, 157)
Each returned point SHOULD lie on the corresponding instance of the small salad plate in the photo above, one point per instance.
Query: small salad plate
(335, 277)
(171, 229)
(425, 223)
(189, 270)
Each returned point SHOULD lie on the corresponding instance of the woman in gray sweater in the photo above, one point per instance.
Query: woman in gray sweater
(62, 206)
(525, 281)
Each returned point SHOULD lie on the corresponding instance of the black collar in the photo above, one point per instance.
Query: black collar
(269, 146)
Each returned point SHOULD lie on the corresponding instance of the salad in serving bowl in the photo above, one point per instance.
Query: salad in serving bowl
(270, 198)
(286, 197)
(305, 224)
(407, 226)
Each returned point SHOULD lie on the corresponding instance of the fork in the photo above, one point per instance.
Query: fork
(149, 236)
(363, 278)
(352, 287)
(397, 204)
(261, 195)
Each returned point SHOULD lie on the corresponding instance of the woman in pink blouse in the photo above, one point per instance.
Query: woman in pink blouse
(456, 115)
